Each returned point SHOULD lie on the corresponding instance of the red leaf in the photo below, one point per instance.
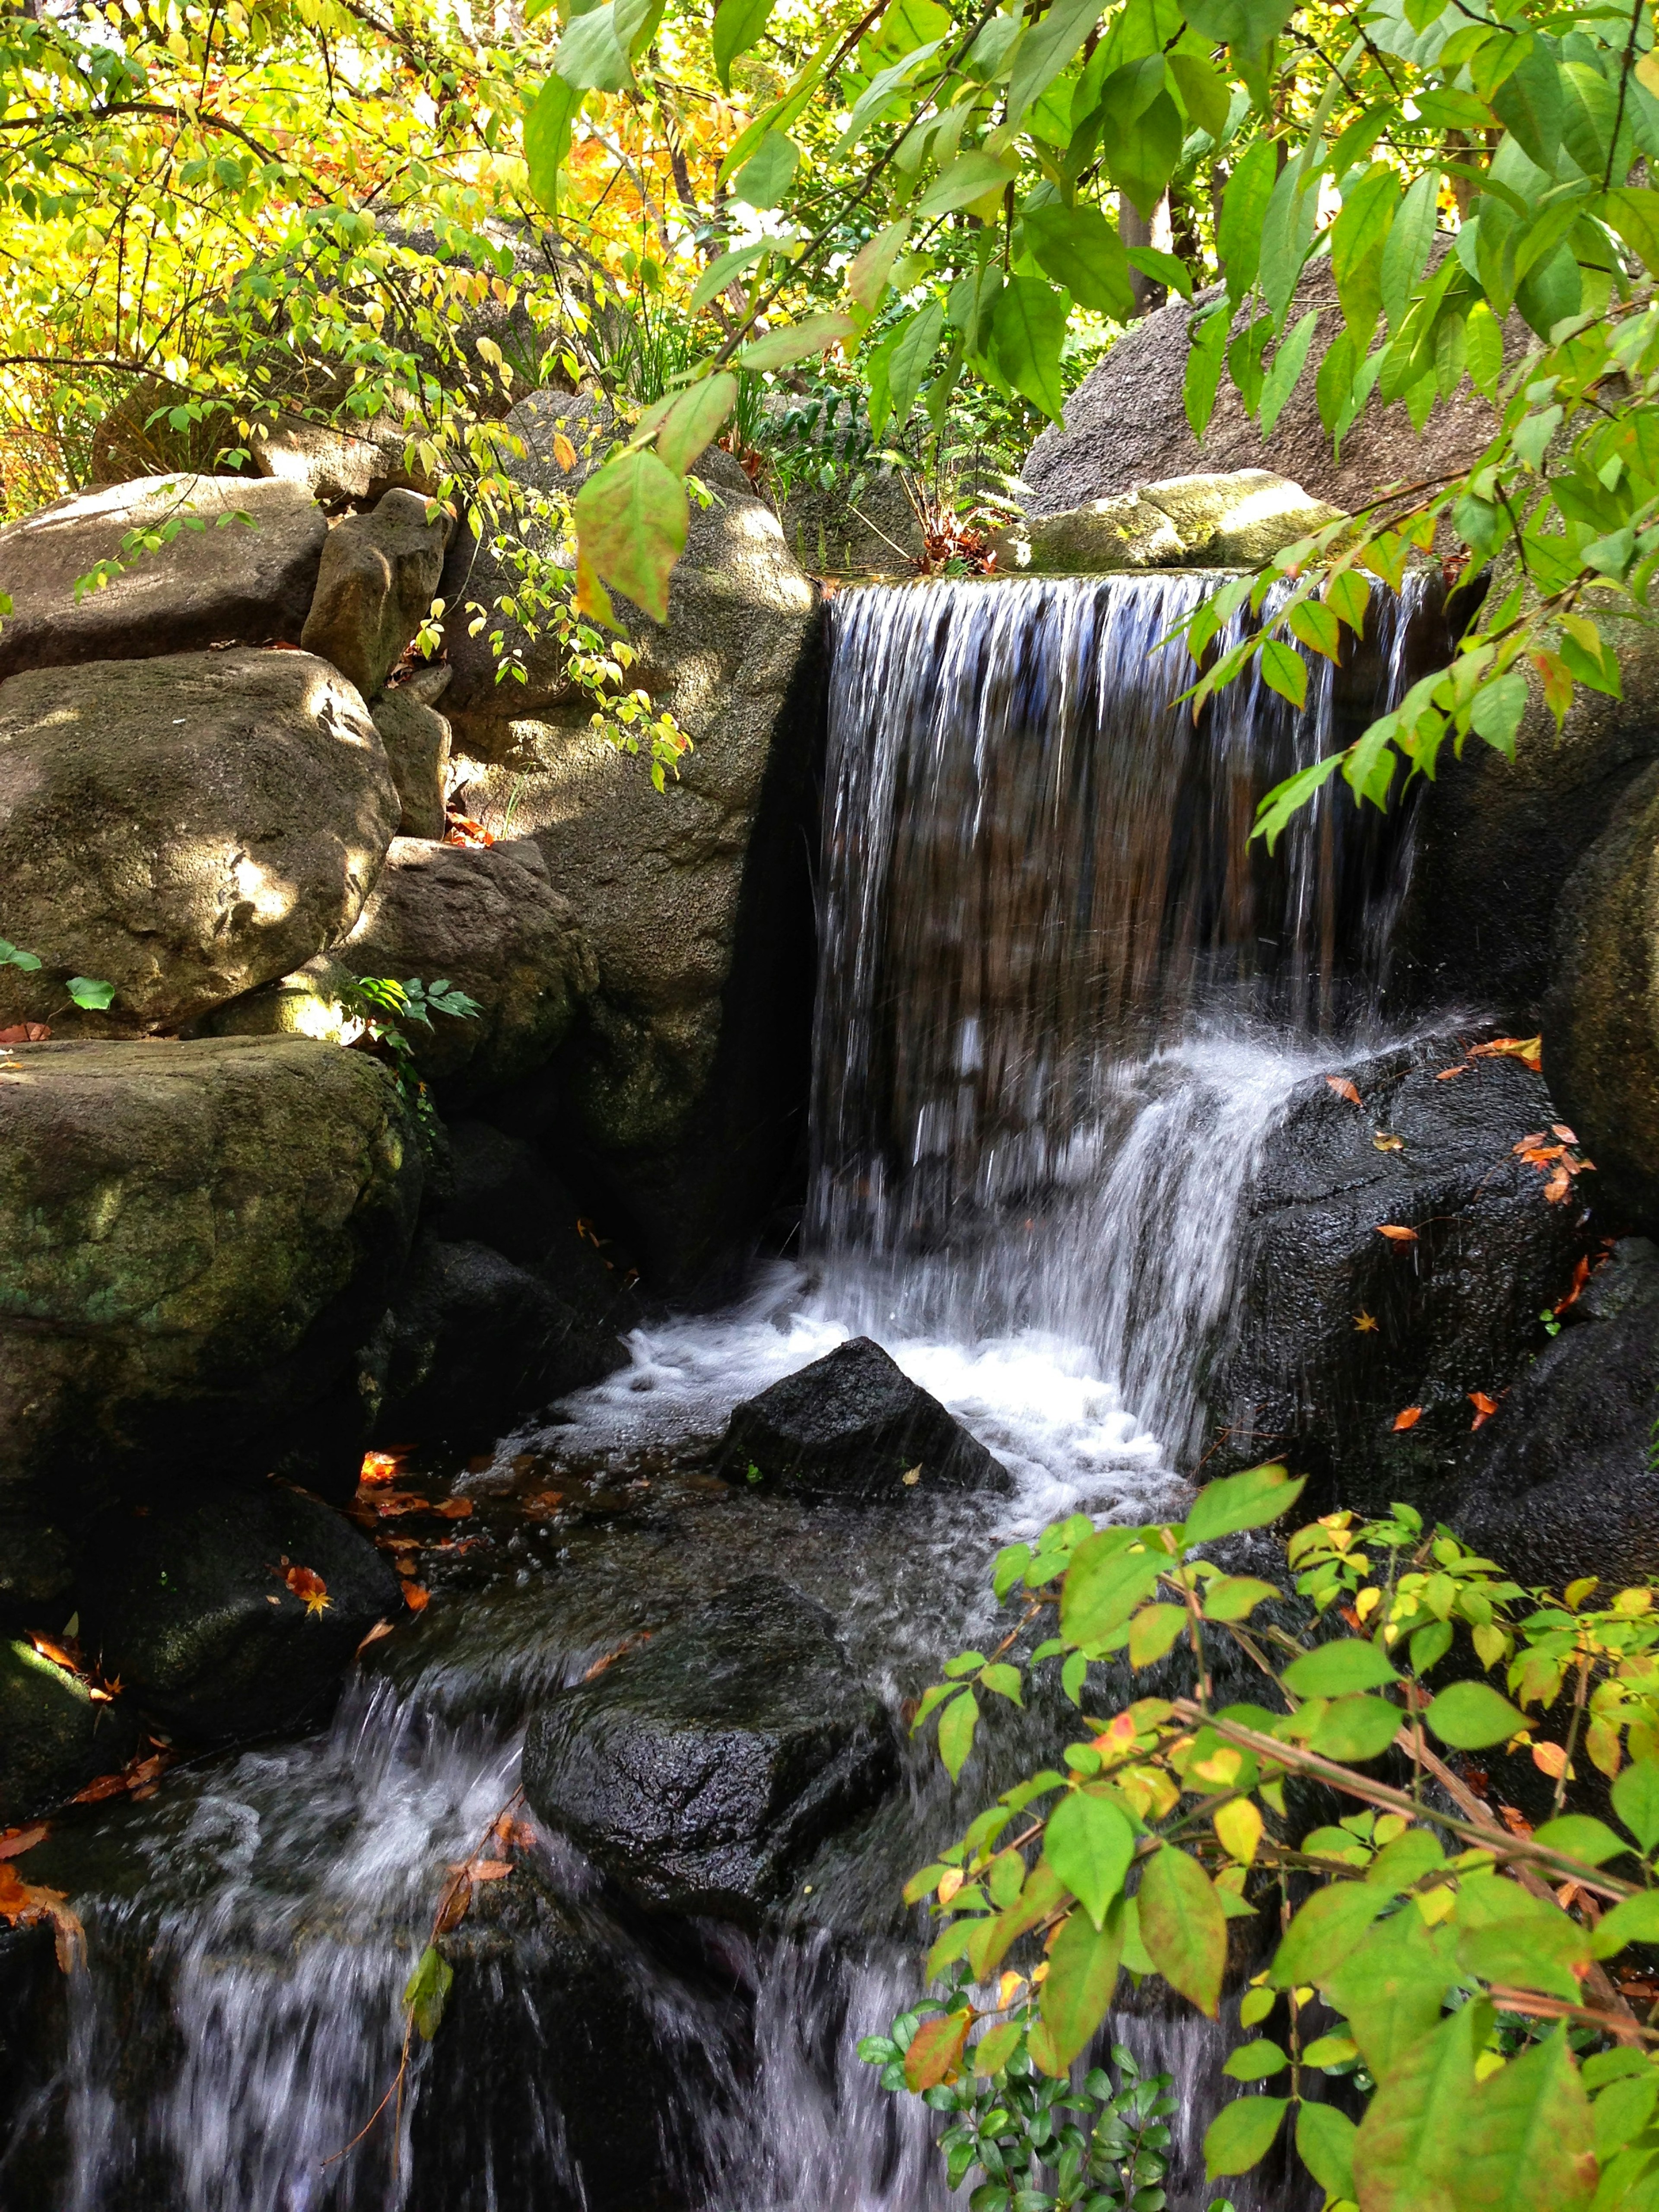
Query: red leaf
(417, 1597)
(935, 2050)
(1484, 1408)
(1409, 1418)
(27, 1033)
(17, 1841)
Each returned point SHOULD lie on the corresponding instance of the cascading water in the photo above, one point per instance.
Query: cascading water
(1062, 1003)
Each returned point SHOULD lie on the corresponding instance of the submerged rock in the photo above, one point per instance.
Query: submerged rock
(701, 1767)
(185, 828)
(855, 1425)
(203, 1603)
(227, 582)
(57, 1736)
(1562, 1480)
(1229, 521)
(1341, 1330)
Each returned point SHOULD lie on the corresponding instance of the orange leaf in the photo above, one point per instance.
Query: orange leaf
(1580, 1277)
(935, 2050)
(1563, 1133)
(380, 1628)
(1558, 1186)
(1447, 1073)
(1484, 1408)
(454, 1509)
(27, 1033)
(1395, 1234)
(490, 1870)
(1409, 1418)
(17, 1841)
(416, 1597)
(1529, 1050)
(1550, 1759)
(564, 451)
(310, 1589)
(379, 1467)
(1344, 1089)
(105, 1785)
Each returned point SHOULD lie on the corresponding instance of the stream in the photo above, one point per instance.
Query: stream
(1062, 1006)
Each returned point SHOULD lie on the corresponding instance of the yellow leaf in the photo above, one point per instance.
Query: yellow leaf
(1239, 1827)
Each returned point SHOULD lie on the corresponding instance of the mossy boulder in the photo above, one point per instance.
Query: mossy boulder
(1227, 521)
(56, 1736)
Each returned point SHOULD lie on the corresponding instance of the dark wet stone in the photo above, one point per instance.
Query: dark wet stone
(701, 1767)
(56, 1736)
(853, 1424)
(187, 1603)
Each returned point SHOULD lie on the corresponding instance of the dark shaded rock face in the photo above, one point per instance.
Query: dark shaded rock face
(853, 1424)
(187, 1603)
(56, 1736)
(700, 1768)
(1562, 1480)
(1455, 1309)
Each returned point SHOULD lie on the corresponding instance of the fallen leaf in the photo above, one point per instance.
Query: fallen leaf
(310, 1589)
(490, 1870)
(461, 829)
(104, 1785)
(454, 1509)
(911, 1477)
(380, 1628)
(405, 1567)
(379, 1467)
(1344, 1088)
(1409, 1417)
(546, 1501)
(1386, 1141)
(22, 1903)
(401, 1501)
(1395, 1234)
(1558, 1186)
(1580, 1277)
(417, 1598)
(1550, 1759)
(1563, 1133)
(56, 1653)
(451, 1906)
(1447, 1073)
(517, 1835)
(610, 1658)
(17, 1841)
(1530, 1051)
(1516, 1822)
(1364, 1322)
(1484, 1408)
(27, 1033)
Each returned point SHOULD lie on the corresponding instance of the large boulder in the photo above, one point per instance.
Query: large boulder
(346, 461)
(488, 919)
(835, 531)
(700, 1769)
(1340, 1330)
(416, 740)
(1124, 425)
(229, 581)
(1188, 522)
(185, 828)
(230, 1610)
(374, 587)
(1601, 1015)
(680, 1090)
(853, 1424)
(1497, 843)
(1562, 1481)
(194, 1240)
(58, 1736)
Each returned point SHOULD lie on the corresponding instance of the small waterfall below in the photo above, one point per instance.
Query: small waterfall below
(1063, 1003)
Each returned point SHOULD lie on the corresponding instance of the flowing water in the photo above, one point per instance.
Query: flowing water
(1062, 1005)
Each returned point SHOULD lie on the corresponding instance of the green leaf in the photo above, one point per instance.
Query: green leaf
(1633, 212)
(1243, 211)
(1079, 248)
(1391, 1986)
(1622, 2111)
(546, 139)
(935, 2050)
(1255, 2062)
(914, 347)
(1633, 1920)
(1141, 155)
(873, 265)
(1636, 1801)
(1163, 269)
(1183, 1926)
(1498, 710)
(1104, 1585)
(1206, 356)
(1316, 626)
(631, 522)
(1285, 670)
(1241, 2134)
(768, 174)
(1276, 811)
(1529, 104)
(1246, 24)
(719, 273)
(798, 341)
(426, 1991)
(12, 956)
(1090, 1844)
(1203, 92)
(955, 1732)
(1251, 1500)
(88, 992)
(1398, 1865)
(1534, 1946)
(969, 177)
(1005, 1682)
(1236, 1597)
(1047, 45)
(1357, 236)
(1335, 1669)
(1287, 365)
(738, 26)
(1028, 328)
(1153, 1631)
(1356, 1729)
(1469, 1716)
(1530, 2139)
(993, 2051)
(1288, 230)
(1581, 1837)
(1330, 1926)
(695, 418)
(1325, 2142)
(1077, 1991)
(1406, 254)
(1415, 2121)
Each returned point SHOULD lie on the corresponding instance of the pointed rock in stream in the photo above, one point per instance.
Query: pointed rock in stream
(853, 1424)
(700, 1768)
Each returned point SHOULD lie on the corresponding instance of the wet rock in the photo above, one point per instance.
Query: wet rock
(503, 1193)
(416, 740)
(57, 1736)
(194, 1238)
(374, 587)
(1187, 522)
(37, 1568)
(227, 583)
(488, 920)
(681, 1092)
(853, 1424)
(1601, 1016)
(700, 1768)
(188, 1603)
(1563, 1480)
(185, 828)
(476, 1340)
(1340, 1329)
(1124, 424)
